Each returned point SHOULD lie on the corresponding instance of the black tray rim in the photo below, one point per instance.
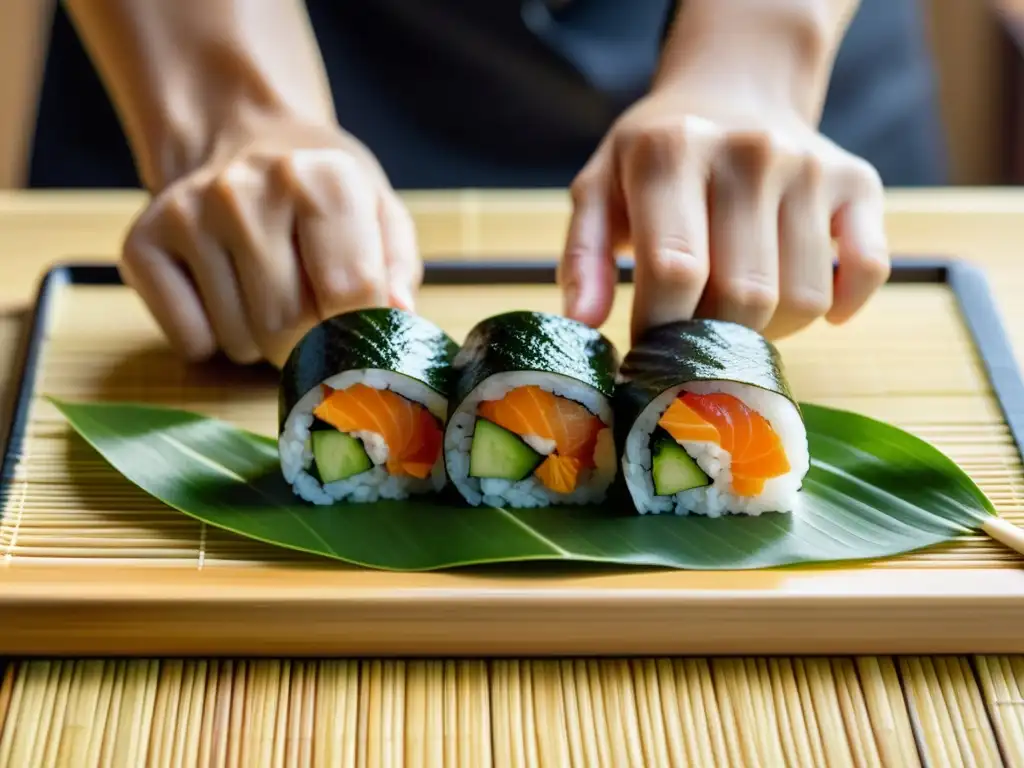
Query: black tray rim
(966, 281)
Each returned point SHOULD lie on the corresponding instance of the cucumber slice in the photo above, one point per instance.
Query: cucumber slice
(674, 470)
(338, 455)
(498, 453)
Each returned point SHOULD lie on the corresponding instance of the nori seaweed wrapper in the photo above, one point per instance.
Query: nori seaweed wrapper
(694, 350)
(382, 338)
(534, 341)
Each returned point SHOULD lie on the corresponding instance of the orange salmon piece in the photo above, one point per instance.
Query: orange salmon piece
(685, 424)
(531, 410)
(420, 461)
(410, 430)
(559, 473)
(743, 485)
(755, 447)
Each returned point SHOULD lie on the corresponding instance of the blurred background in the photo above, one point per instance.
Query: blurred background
(977, 46)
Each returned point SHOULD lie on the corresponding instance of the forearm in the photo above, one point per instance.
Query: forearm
(180, 72)
(776, 50)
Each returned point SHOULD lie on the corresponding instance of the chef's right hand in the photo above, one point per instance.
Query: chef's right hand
(282, 226)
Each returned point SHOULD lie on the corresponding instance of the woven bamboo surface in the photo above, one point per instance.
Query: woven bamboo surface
(874, 711)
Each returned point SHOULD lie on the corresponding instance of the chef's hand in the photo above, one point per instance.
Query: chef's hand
(280, 227)
(730, 200)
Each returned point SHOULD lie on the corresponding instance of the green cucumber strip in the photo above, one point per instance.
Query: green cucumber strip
(498, 453)
(338, 456)
(673, 469)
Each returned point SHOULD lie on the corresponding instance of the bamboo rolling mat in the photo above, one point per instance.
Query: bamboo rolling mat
(871, 711)
(907, 359)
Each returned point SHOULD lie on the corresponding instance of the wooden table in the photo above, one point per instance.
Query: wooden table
(891, 711)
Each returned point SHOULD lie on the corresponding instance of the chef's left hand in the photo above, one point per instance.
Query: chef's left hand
(730, 204)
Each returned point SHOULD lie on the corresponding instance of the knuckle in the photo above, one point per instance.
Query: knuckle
(341, 162)
(352, 287)
(873, 266)
(178, 214)
(752, 155)
(365, 289)
(331, 284)
(129, 266)
(283, 175)
(810, 171)
(807, 303)
(673, 263)
(335, 183)
(221, 192)
(237, 178)
(580, 189)
(864, 179)
(135, 251)
(748, 295)
(654, 146)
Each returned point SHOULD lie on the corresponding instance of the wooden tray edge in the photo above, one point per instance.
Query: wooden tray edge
(305, 611)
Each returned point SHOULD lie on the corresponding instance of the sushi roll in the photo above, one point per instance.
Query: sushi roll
(362, 407)
(531, 417)
(706, 423)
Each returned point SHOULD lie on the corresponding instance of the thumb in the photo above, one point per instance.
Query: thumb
(587, 272)
(401, 254)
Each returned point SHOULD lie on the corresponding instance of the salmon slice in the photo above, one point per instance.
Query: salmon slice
(573, 429)
(411, 432)
(756, 449)
(559, 473)
(685, 424)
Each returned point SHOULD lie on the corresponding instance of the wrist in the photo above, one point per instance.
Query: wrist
(196, 133)
(208, 125)
(185, 76)
(773, 54)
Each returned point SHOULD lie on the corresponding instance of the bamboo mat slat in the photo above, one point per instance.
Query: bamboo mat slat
(1001, 679)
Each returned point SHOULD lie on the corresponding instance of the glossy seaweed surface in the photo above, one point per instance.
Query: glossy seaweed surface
(534, 341)
(386, 339)
(694, 350)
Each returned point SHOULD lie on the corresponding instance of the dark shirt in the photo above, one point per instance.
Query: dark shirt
(510, 93)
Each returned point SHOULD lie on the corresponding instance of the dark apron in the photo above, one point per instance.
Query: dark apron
(510, 93)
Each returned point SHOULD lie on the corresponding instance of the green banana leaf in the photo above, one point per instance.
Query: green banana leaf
(873, 491)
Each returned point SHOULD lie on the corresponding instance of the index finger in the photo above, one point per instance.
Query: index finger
(665, 190)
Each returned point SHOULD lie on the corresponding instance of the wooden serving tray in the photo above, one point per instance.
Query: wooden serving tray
(91, 565)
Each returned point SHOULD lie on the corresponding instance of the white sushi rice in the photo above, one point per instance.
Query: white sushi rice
(781, 494)
(530, 492)
(373, 484)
